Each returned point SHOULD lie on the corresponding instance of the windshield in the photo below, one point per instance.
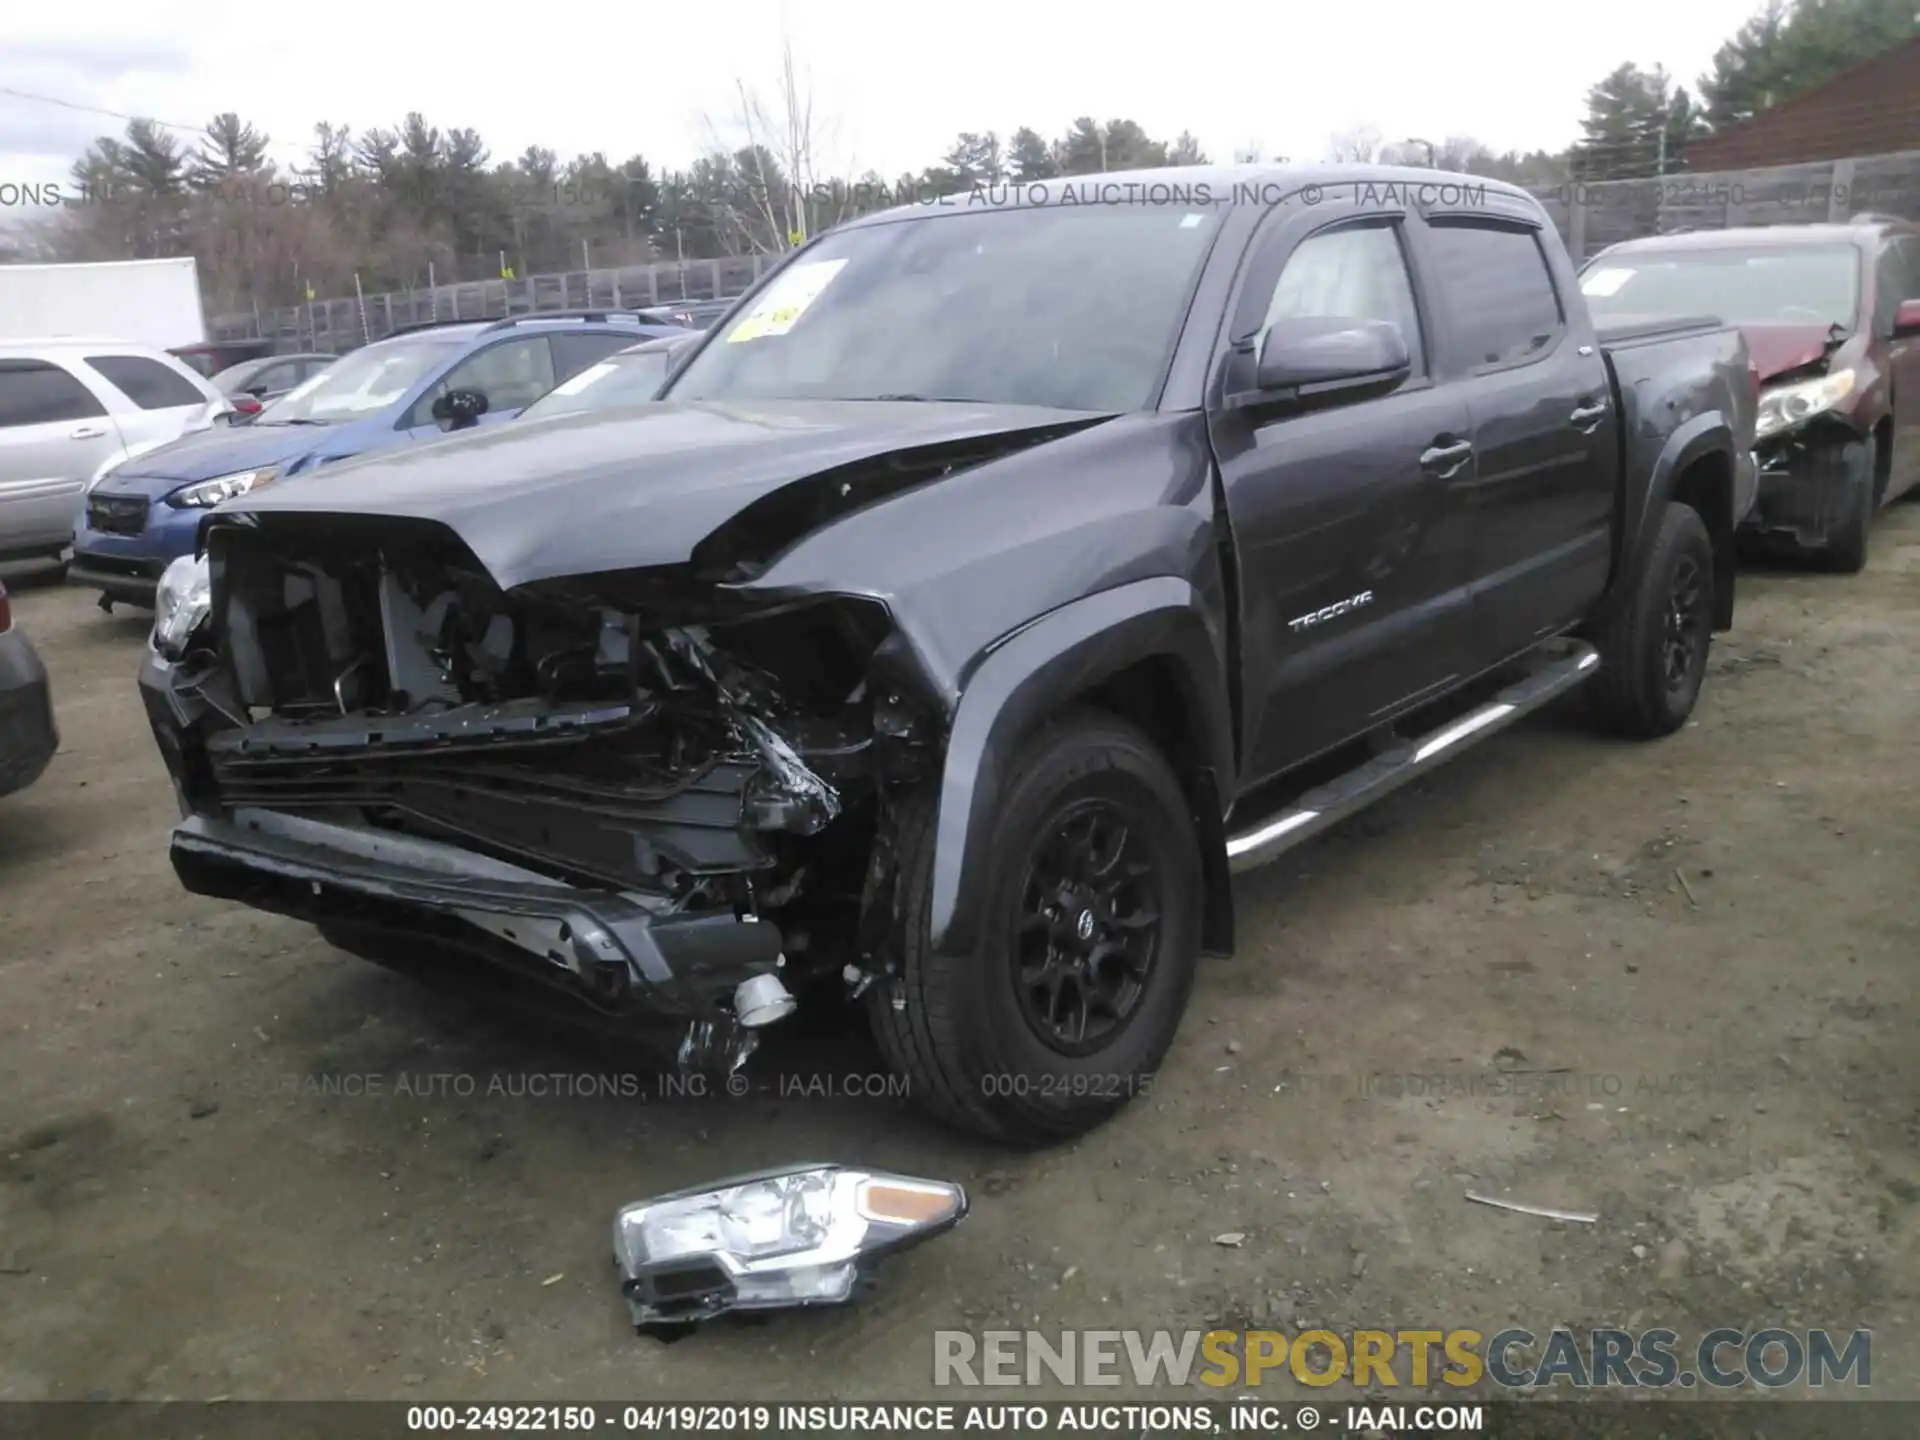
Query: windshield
(361, 383)
(618, 380)
(1797, 285)
(1068, 307)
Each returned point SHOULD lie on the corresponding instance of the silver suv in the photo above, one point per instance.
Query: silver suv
(70, 409)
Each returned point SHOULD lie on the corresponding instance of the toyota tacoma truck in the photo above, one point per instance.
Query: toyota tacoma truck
(999, 579)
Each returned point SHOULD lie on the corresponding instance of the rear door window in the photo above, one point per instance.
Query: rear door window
(1495, 281)
(33, 392)
(147, 383)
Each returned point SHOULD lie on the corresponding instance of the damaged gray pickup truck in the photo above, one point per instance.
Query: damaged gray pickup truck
(994, 582)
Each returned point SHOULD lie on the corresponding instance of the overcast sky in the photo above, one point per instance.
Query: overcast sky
(891, 84)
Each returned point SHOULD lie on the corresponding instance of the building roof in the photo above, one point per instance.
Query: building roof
(1872, 109)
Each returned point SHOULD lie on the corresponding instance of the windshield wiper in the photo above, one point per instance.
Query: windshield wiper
(300, 420)
(928, 399)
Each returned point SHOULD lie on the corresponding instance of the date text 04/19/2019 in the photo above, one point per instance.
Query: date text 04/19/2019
(1137, 1418)
(585, 1419)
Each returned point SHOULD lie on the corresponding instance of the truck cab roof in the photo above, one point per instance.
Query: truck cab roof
(1205, 185)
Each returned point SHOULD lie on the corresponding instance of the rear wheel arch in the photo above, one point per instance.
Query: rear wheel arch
(1705, 485)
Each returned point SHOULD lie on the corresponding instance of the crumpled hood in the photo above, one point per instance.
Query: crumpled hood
(1777, 349)
(630, 488)
(206, 454)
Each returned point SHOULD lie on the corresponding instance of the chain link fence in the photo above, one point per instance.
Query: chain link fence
(340, 324)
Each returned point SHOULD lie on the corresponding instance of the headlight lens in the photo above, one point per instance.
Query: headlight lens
(758, 1242)
(1785, 406)
(181, 604)
(209, 493)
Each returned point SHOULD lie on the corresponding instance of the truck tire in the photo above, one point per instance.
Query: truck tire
(1653, 649)
(1089, 938)
(1846, 552)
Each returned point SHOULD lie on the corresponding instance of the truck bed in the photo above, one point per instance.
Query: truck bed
(1668, 370)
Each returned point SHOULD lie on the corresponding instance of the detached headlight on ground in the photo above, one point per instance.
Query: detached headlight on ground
(1785, 406)
(781, 1238)
(209, 493)
(183, 599)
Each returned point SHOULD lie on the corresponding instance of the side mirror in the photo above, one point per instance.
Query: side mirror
(458, 409)
(1906, 320)
(1331, 355)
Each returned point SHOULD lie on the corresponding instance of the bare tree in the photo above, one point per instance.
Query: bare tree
(790, 186)
(1357, 144)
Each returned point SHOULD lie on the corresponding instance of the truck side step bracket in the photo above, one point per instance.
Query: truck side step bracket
(1551, 671)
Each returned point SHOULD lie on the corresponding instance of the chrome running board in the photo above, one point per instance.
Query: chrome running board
(1554, 669)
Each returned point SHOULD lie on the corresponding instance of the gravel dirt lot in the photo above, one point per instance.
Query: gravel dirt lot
(1670, 983)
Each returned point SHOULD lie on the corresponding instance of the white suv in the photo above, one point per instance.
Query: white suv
(71, 409)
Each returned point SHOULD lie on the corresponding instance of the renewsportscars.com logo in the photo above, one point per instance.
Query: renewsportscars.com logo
(1604, 1357)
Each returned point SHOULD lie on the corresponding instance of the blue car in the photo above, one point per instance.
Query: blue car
(413, 386)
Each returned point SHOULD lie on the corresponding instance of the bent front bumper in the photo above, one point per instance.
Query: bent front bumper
(131, 581)
(622, 953)
(617, 950)
(1810, 482)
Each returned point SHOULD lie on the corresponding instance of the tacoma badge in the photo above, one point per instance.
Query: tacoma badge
(1339, 607)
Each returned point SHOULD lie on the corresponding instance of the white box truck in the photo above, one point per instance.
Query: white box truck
(150, 302)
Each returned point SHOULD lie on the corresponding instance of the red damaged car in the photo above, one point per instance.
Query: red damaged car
(1831, 314)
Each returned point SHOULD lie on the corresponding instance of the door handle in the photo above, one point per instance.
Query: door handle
(86, 432)
(1445, 457)
(1586, 418)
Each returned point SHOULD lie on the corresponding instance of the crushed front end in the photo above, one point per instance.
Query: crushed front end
(1816, 459)
(1810, 484)
(654, 791)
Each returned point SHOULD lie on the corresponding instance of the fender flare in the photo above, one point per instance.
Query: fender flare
(1705, 434)
(1035, 672)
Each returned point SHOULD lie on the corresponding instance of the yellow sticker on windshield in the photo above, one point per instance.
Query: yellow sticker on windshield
(786, 300)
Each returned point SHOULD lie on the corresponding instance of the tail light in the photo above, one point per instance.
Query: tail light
(6, 611)
(246, 404)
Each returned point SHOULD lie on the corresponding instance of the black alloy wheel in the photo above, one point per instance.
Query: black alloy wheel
(1088, 932)
(1687, 627)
